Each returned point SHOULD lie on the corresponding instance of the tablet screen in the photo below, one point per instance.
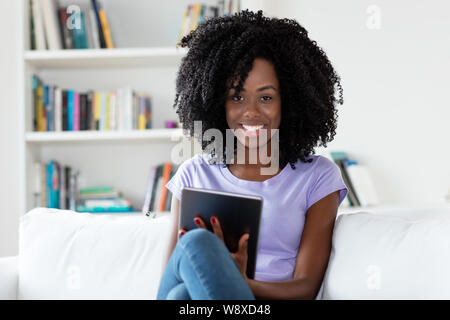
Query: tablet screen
(237, 214)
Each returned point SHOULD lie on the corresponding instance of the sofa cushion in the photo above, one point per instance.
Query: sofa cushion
(382, 256)
(69, 255)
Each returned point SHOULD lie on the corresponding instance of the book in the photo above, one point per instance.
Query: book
(363, 184)
(68, 173)
(76, 111)
(98, 189)
(109, 202)
(113, 110)
(51, 25)
(83, 111)
(158, 197)
(82, 208)
(165, 179)
(93, 28)
(97, 109)
(62, 193)
(70, 109)
(51, 108)
(58, 109)
(66, 34)
(102, 105)
(37, 184)
(148, 113)
(43, 175)
(38, 24)
(148, 193)
(79, 34)
(184, 21)
(65, 111)
(155, 187)
(32, 30)
(105, 27)
(96, 7)
(141, 117)
(107, 110)
(34, 88)
(340, 159)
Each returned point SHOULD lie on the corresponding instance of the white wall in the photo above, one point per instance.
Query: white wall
(9, 132)
(396, 87)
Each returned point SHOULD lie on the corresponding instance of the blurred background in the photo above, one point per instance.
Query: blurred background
(392, 57)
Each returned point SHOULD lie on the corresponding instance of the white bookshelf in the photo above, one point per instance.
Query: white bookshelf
(67, 137)
(101, 58)
(145, 58)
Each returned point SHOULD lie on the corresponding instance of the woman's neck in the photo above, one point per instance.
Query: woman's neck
(254, 171)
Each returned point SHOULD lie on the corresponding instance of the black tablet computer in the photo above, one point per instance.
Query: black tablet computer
(237, 214)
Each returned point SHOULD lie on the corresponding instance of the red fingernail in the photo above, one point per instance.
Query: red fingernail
(182, 232)
(213, 220)
(197, 220)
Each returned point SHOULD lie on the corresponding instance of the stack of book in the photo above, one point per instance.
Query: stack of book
(357, 178)
(198, 12)
(158, 197)
(81, 25)
(55, 185)
(102, 199)
(57, 109)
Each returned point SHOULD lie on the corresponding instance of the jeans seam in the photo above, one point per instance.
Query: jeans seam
(195, 270)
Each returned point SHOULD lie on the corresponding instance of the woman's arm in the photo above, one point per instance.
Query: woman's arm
(312, 258)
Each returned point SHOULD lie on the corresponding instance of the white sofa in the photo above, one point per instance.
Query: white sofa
(69, 255)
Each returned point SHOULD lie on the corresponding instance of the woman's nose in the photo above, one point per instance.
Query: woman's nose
(251, 108)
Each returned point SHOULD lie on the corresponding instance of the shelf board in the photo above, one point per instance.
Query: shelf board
(104, 58)
(99, 136)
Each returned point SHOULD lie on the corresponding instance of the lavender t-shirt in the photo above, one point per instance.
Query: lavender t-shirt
(287, 197)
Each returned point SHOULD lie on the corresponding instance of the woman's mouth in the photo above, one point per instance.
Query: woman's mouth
(251, 130)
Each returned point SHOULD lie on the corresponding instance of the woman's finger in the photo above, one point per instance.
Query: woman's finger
(181, 232)
(199, 222)
(217, 228)
(243, 243)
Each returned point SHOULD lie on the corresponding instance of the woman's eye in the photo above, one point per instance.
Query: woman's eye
(233, 98)
(270, 98)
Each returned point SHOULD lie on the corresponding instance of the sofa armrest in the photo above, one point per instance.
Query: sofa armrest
(9, 277)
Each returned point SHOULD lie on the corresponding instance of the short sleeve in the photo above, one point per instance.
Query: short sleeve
(328, 180)
(183, 177)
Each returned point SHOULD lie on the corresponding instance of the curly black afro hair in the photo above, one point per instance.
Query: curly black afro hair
(223, 48)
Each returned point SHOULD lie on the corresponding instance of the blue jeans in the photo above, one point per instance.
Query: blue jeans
(201, 268)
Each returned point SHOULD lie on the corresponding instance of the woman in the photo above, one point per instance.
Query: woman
(250, 73)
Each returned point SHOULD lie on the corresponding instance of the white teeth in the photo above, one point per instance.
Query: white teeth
(252, 128)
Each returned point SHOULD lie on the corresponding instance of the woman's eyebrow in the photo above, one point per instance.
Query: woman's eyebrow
(263, 88)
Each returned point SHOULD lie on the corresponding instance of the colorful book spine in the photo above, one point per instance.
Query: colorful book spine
(107, 110)
(34, 88)
(141, 119)
(79, 34)
(70, 109)
(58, 109)
(76, 111)
(65, 111)
(166, 175)
(102, 111)
(106, 30)
(97, 111)
(96, 7)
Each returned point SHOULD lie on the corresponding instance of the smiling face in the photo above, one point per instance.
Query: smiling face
(257, 106)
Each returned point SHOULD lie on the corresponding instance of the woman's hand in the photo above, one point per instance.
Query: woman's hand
(240, 256)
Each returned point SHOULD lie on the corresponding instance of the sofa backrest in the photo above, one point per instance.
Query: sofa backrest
(68, 255)
(382, 256)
